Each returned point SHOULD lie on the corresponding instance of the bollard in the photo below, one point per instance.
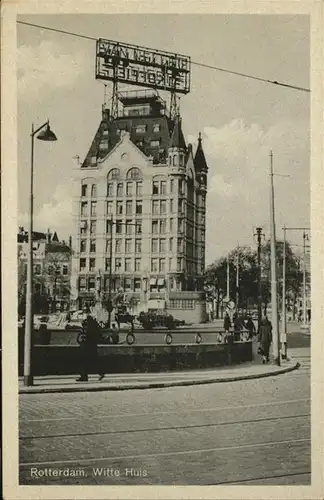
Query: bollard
(230, 342)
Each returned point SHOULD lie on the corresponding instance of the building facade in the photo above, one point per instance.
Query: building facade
(51, 272)
(139, 209)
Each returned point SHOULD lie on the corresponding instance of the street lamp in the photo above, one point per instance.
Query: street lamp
(45, 134)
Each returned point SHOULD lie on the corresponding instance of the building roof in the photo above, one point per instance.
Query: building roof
(200, 160)
(57, 247)
(22, 236)
(153, 139)
(177, 139)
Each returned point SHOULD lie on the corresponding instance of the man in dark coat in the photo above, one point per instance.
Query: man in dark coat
(265, 338)
(89, 358)
(250, 327)
(227, 323)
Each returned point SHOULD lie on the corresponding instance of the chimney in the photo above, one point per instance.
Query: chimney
(70, 242)
(48, 235)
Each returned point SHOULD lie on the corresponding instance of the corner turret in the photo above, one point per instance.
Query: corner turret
(200, 163)
(177, 148)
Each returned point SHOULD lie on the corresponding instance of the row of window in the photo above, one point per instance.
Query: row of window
(141, 129)
(158, 226)
(51, 269)
(138, 285)
(131, 265)
(118, 225)
(159, 187)
(181, 304)
(158, 245)
(159, 207)
(129, 284)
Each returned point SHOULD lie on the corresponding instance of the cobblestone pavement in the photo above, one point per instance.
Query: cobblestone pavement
(246, 432)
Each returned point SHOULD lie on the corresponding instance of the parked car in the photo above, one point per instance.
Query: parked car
(152, 319)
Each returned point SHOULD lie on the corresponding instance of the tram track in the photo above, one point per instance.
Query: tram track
(186, 411)
(169, 428)
(261, 478)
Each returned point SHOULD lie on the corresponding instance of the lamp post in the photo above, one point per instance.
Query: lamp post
(45, 134)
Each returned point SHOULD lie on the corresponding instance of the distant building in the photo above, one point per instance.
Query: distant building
(51, 271)
(140, 211)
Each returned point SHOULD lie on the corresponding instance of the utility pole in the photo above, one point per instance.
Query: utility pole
(305, 237)
(110, 272)
(274, 298)
(259, 235)
(237, 279)
(284, 320)
(228, 280)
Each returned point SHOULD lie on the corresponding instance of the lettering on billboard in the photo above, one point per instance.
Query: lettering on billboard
(141, 66)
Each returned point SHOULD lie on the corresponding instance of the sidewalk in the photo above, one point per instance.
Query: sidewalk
(119, 382)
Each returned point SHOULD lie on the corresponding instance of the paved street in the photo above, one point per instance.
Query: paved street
(249, 432)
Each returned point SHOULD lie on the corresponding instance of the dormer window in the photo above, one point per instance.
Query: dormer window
(156, 127)
(140, 129)
(104, 144)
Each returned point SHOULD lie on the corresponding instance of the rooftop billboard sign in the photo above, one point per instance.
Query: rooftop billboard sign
(140, 66)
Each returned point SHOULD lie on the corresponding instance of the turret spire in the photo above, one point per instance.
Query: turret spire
(177, 139)
(200, 160)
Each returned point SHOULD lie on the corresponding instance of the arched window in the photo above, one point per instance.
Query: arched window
(174, 160)
(86, 186)
(114, 174)
(134, 174)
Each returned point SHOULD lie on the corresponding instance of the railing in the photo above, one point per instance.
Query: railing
(222, 337)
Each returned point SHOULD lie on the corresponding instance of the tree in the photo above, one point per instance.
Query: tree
(246, 259)
(294, 275)
(216, 278)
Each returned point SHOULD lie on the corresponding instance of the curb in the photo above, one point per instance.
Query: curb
(156, 385)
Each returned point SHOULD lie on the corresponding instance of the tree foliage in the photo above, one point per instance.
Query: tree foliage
(246, 260)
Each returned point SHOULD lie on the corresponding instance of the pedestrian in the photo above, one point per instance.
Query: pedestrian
(238, 326)
(250, 327)
(265, 338)
(308, 315)
(88, 350)
(227, 323)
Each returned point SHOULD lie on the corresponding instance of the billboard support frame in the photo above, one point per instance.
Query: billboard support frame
(140, 66)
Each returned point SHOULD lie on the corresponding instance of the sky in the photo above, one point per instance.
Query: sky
(240, 119)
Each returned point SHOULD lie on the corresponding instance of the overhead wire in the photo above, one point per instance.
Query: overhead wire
(208, 66)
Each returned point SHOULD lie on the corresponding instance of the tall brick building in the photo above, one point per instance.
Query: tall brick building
(139, 210)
